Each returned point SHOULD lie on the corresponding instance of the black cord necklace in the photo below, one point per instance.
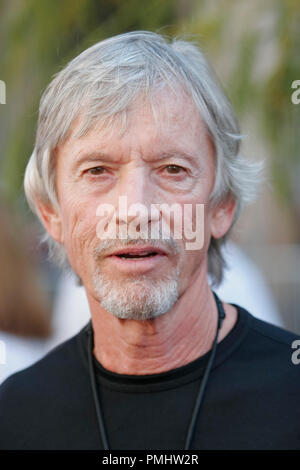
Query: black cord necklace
(199, 399)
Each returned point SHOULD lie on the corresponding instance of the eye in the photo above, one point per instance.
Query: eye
(97, 170)
(174, 169)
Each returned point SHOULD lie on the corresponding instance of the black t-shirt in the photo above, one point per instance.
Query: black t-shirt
(252, 399)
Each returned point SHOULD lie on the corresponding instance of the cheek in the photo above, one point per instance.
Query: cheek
(193, 221)
(79, 229)
(195, 247)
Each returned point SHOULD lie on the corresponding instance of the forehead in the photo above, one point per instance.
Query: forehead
(168, 120)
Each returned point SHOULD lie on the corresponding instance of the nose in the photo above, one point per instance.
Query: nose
(136, 196)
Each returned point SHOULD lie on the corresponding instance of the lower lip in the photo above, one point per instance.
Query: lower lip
(137, 264)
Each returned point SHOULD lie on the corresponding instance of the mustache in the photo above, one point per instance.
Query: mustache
(170, 245)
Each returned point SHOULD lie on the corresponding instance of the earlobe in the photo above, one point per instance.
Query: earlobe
(51, 219)
(222, 216)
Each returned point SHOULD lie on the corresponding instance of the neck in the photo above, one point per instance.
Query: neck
(169, 341)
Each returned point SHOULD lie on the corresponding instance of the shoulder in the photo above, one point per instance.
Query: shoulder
(40, 404)
(271, 333)
(33, 387)
(269, 349)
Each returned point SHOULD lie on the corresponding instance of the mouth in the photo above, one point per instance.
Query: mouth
(137, 260)
(138, 253)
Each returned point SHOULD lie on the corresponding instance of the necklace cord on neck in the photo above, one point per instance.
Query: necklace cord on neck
(199, 399)
(99, 413)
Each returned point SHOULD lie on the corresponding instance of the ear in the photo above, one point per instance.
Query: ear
(51, 219)
(222, 216)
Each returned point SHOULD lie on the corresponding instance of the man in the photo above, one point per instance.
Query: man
(136, 155)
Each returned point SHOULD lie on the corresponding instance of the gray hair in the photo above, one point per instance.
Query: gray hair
(103, 81)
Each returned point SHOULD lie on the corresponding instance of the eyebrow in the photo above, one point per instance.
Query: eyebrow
(104, 157)
(91, 157)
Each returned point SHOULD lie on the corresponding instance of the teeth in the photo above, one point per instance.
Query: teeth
(137, 255)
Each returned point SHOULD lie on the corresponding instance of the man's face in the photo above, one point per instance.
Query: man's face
(165, 160)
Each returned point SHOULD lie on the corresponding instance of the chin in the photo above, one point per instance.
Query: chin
(137, 299)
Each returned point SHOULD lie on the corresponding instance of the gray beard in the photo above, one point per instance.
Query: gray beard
(137, 299)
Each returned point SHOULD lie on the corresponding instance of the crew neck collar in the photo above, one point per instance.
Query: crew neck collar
(180, 375)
